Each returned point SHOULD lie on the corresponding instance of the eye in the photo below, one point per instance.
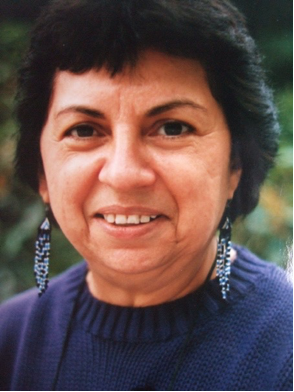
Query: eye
(82, 131)
(174, 128)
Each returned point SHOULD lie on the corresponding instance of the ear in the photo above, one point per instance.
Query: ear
(234, 181)
(43, 189)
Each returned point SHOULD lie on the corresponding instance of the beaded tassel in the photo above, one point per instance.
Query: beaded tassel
(223, 262)
(42, 252)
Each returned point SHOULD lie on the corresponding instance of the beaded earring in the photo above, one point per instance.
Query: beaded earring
(42, 253)
(223, 261)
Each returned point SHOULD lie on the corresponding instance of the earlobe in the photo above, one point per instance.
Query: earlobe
(43, 189)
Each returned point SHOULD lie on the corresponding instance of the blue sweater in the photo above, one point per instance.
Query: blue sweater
(67, 340)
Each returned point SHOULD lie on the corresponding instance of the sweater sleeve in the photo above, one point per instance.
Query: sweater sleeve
(284, 320)
(14, 315)
(285, 379)
(33, 332)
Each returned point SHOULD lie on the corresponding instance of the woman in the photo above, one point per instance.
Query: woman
(147, 127)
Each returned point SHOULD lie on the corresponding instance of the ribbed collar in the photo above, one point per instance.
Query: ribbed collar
(161, 322)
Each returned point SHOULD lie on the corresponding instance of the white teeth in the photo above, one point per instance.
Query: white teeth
(121, 219)
(110, 218)
(128, 219)
(145, 219)
(134, 219)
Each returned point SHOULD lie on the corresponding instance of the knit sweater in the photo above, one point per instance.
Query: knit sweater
(68, 340)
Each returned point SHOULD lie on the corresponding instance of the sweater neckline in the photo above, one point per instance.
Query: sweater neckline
(171, 319)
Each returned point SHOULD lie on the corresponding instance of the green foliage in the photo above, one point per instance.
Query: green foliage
(267, 231)
(21, 211)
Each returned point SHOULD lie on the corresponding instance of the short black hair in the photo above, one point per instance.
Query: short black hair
(78, 35)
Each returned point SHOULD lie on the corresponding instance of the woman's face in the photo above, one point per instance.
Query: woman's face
(137, 166)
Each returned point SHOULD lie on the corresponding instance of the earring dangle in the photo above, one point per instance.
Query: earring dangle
(42, 253)
(223, 261)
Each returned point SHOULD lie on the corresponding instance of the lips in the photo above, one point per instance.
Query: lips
(136, 210)
(135, 223)
(120, 219)
(127, 216)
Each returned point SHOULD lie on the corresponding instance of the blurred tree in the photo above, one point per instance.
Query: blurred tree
(267, 231)
(20, 210)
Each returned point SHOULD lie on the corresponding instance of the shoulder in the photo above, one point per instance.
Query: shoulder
(264, 276)
(22, 310)
(266, 311)
(22, 304)
(15, 312)
(26, 319)
(251, 333)
(262, 303)
(269, 289)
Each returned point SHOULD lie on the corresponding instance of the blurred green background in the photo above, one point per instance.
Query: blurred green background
(267, 231)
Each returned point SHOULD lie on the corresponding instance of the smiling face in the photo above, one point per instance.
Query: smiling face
(137, 166)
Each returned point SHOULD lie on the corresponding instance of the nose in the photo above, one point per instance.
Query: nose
(127, 165)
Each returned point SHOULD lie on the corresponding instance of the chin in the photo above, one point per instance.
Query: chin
(130, 262)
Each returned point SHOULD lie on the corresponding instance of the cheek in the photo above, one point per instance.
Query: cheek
(199, 184)
(68, 181)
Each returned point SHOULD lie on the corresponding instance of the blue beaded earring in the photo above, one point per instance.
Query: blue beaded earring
(42, 253)
(223, 261)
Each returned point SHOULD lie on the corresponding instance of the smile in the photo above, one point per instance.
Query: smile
(119, 219)
(129, 226)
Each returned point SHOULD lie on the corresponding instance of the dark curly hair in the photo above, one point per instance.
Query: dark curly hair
(78, 35)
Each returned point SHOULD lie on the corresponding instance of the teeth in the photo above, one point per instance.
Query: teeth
(110, 218)
(121, 219)
(145, 219)
(128, 219)
(134, 219)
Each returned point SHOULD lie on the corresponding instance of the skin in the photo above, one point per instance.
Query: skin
(106, 149)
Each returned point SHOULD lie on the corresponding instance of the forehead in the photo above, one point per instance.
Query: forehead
(155, 77)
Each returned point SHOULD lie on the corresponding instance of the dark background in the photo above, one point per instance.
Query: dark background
(267, 231)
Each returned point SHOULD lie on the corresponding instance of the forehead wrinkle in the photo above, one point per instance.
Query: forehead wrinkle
(127, 94)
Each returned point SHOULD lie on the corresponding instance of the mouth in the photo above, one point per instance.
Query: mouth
(127, 220)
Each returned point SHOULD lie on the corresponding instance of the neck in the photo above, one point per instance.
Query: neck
(164, 284)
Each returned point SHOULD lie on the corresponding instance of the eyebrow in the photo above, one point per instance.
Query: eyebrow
(81, 109)
(173, 105)
(150, 113)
